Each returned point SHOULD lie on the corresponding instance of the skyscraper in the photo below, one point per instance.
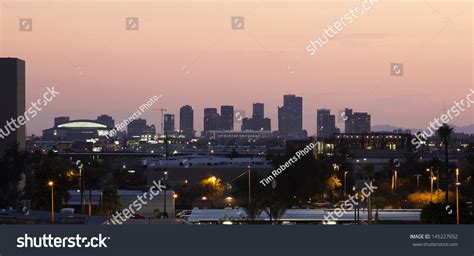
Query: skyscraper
(60, 120)
(226, 122)
(356, 122)
(105, 119)
(211, 119)
(348, 121)
(258, 122)
(186, 121)
(138, 127)
(326, 123)
(361, 122)
(290, 117)
(169, 123)
(12, 80)
(258, 110)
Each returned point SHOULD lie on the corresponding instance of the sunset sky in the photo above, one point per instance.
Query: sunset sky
(187, 51)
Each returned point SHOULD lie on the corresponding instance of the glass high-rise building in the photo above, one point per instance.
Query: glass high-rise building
(186, 121)
(211, 119)
(258, 122)
(290, 117)
(356, 122)
(326, 124)
(169, 123)
(361, 122)
(105, 119)
(12, 79)
(227, 118)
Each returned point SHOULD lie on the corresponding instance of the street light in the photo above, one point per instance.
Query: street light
(345, 184)
(432, 178)
(457, 196)
(51, 184)
(165, 213)
(229, 200)
(79, 165)
(395, 181)
(417, 181)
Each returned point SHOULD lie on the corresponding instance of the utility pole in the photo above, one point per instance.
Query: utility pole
(81, 184)
(417, 181)
(369, 206)
(250, 186)
(163, 110)
(165, 213)
(457, 196)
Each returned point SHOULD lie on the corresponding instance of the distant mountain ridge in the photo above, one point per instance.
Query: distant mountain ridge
(468, 129)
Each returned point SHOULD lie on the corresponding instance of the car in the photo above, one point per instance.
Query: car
(322, 204)
(137, 216)
(184, 214)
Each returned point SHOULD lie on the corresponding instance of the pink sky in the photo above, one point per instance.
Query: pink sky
(122, 69)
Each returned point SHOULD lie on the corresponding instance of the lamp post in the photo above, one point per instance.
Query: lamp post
(213, 180)
(395, 181)
(51, 184)
(165, 213)
(250, 184)
(81, 184)
(229, 200)
(345, 184)
(90, 203)
(175, 197)
(432, 177)
(417, 181)
(457, 196)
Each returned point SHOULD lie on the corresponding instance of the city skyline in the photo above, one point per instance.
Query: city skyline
(345, 121)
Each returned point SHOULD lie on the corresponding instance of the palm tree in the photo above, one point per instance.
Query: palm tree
(379, 203)
(276, 210)
(253, 210)
(444, 133)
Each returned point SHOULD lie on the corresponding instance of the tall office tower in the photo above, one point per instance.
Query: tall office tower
(227, 118)
(348, 121)
(258, 110)
(326, 124)
(290, 117)
(105, 119)
(169, 123)
(361, 122)
(211, 119)
(258, 122)
(60, 120)
(320, 114)
(138, 127)
(186, 121)
(356, 122)
(12, 80)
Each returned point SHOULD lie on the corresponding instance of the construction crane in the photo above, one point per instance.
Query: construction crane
(163, 110)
